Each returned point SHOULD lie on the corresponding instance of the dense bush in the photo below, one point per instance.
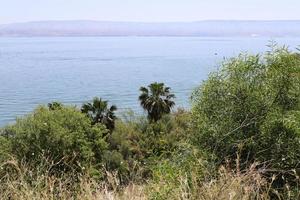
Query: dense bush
(250, 108)
(178, 175)
(64, 140)
(64, 136)
(139, 145)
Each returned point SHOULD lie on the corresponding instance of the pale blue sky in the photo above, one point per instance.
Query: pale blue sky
(147, 10)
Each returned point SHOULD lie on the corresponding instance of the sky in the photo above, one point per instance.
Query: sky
(12, 11)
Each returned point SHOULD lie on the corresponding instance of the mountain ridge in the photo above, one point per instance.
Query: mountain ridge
(270, 28)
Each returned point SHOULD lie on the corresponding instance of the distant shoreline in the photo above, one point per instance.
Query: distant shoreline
(210, 28)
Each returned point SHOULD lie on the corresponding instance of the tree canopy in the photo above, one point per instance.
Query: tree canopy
(100, 112)
(157, 100)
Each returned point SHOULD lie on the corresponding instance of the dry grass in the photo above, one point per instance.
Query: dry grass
(236, 186)
(226, 185)
(88, 191)
(20, 182)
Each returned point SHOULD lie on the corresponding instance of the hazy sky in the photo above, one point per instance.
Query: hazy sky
(147, 10)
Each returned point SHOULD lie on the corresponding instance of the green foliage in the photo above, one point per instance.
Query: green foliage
(55, 105)
(157, 100)
(99, 112)
(180, 173)
(251, 107)
(140, 144)
(5, 148)
(162, 137)
(65, 136)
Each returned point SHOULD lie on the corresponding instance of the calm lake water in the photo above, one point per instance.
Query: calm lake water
(73, 70)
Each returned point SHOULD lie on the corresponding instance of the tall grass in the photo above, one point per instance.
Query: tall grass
(226, 184)
(24, 183)
(21, 182)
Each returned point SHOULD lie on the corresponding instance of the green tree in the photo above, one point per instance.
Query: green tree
(99, 112)
(156, 100)
(250, 107)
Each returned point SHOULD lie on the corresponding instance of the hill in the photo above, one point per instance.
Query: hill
(201, 28)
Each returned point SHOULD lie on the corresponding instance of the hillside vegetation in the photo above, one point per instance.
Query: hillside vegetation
(239, 140)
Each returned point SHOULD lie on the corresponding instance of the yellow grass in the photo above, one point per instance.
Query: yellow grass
(227, 185)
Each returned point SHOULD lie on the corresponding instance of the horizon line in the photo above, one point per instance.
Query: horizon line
(153, 22)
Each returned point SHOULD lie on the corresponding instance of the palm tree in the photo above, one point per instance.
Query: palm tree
(99, 112)
(55, 105)
(156, 100)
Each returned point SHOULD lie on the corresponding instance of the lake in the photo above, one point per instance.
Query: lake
(73, 70)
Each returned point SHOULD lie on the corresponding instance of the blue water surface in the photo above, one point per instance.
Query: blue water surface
(73, 70)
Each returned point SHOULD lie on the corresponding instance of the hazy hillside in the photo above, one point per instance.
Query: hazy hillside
(201, 28)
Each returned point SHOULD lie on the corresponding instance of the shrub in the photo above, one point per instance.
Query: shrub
(251, 106)
(179, 175)
(137, 145)
(162, 137)
(65, 136)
